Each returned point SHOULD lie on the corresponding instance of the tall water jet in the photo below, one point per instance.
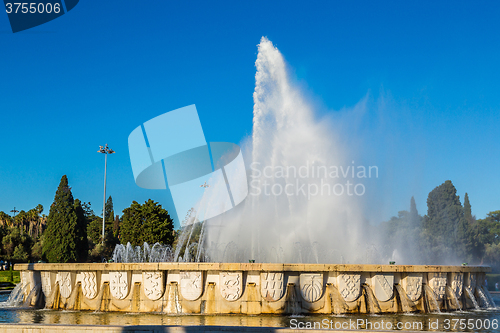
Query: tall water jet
(297, 194)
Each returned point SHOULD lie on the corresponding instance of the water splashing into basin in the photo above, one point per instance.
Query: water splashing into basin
(472, 298)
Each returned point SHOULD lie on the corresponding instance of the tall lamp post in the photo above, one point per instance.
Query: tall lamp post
(14, 211)
(104, 150)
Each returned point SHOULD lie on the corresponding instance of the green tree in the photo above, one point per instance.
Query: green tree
(467, 209)
(94, 229)
(489, 237)
(65, 236)
(444, 213)
(16, 244)
(103, 249)
(116, 227)
(109, 211)
(148, 222)
(5, 219)
(37, 249)
(131, 229)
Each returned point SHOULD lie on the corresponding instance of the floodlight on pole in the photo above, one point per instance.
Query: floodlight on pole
(14, 218)
(104, 150)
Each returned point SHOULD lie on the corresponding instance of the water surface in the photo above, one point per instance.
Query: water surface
(420, 322)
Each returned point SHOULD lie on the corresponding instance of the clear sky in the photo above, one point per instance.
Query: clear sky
(429, 73)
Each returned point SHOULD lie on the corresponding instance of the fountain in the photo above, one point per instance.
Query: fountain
(271, 254)
(17, 295)
(453, 299)
(470, 294)
(246, 288)
(430, 297)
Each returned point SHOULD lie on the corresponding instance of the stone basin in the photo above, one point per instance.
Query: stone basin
(253, 288)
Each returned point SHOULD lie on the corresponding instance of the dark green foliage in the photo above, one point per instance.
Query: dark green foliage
(131, 228)
(444, 213)
(94, 228)
(110, 214)
(467, 209)
(116, 227)
(489, 236)
(98, 249)
(6, 219)
(37, 249)
(148, 222)
(82, 244)
(17, 245)
(414, 217)
(413, 207)
(66, 233)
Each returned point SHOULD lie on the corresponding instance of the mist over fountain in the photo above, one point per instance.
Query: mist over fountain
(306, 194)
(289, 151)
(288, 157)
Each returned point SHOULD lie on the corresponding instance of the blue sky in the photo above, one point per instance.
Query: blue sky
(428, 73)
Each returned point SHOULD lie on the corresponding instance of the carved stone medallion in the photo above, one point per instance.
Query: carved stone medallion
(46, 283)
(65, 283)
(383, 286)
(437, 281)
(191, 285)
(118, 284)
(231, 285)
(271, 286)
(457, 283)
(311, 286)
(412, 284)
(349, 286)
(89, 284)
(153, 284)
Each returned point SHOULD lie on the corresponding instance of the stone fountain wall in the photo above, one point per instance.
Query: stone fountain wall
(223, 288)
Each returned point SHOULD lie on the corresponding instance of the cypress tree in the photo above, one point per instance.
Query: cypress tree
(467, 209)
(444, 212)
(65, 236)
(413, 207)
(116, 226)
(109, 220)
(415, 219)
